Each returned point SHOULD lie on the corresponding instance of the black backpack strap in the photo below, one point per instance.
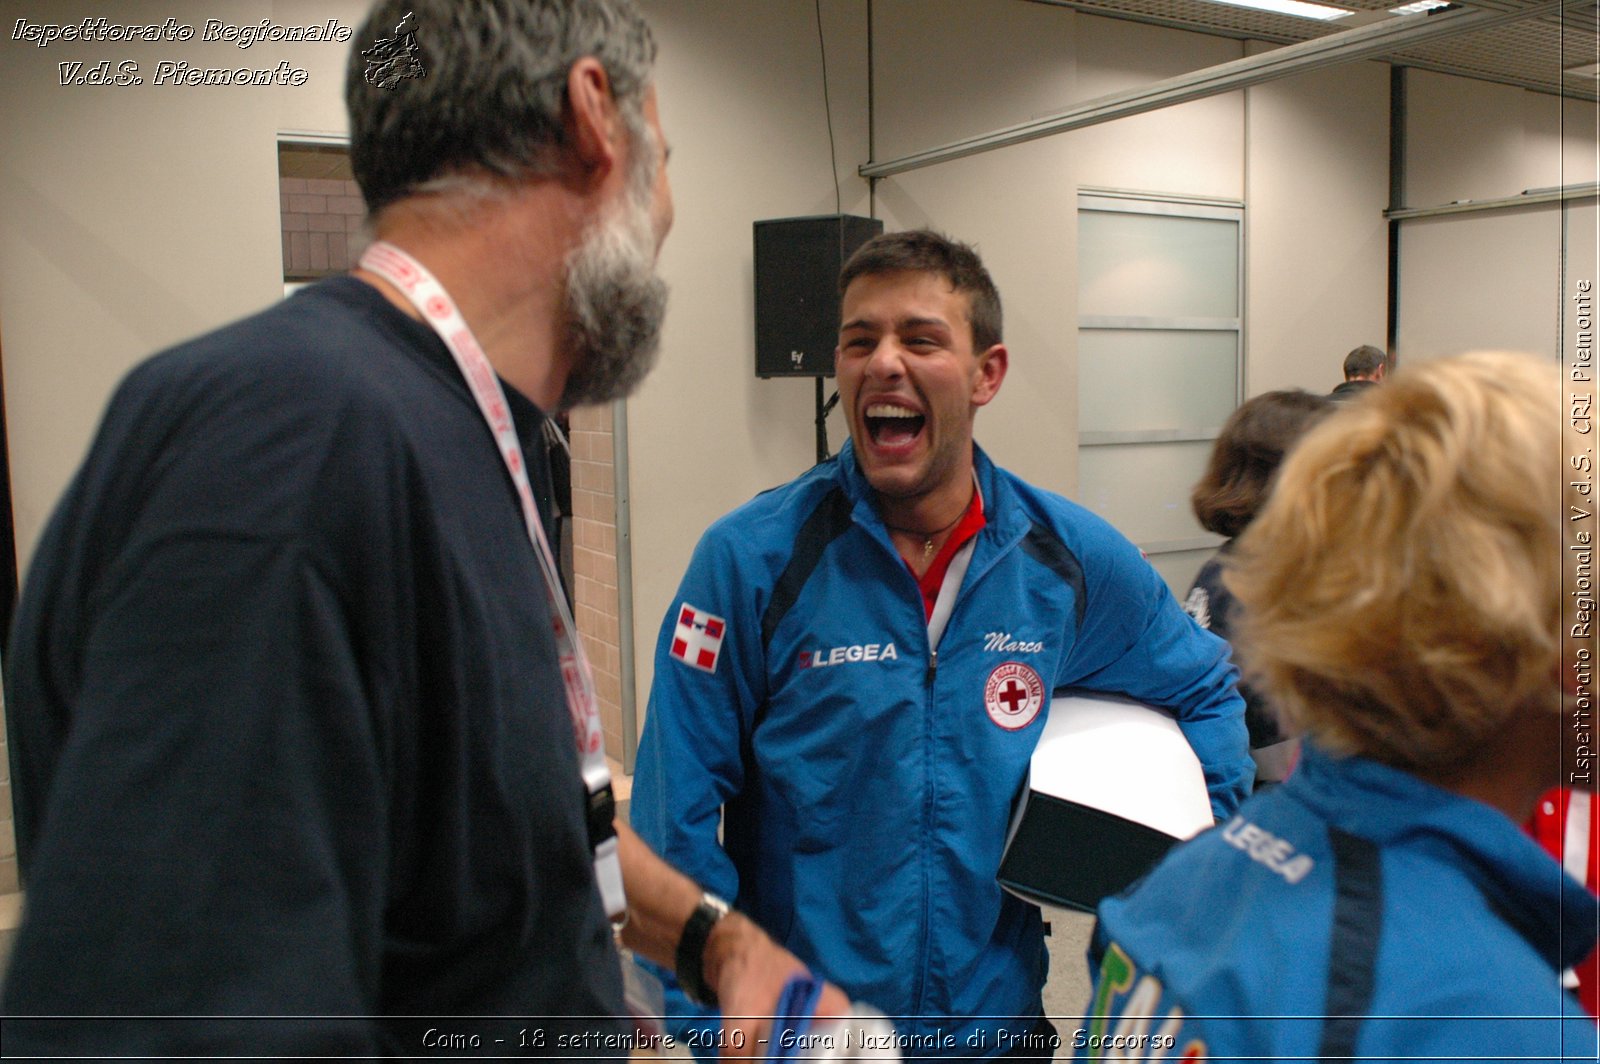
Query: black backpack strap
(1353, 948)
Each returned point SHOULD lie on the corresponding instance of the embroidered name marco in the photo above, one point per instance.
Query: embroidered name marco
(1003, 642)
(817, 659)
(1266, 848)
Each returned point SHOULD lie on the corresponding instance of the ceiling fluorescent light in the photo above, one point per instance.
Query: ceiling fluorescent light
(1298, 8)
(1419, 7)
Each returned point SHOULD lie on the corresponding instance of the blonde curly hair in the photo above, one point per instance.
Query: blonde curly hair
(1401, 591)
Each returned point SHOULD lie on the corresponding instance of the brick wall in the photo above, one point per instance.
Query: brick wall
(321, 226)
(594, 560)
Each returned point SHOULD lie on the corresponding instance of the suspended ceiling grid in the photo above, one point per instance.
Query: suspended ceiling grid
(1533, 53)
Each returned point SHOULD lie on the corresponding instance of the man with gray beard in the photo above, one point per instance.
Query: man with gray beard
(293, 688)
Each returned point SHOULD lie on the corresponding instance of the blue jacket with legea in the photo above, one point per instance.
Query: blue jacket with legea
(863, 773)
(1354, 912)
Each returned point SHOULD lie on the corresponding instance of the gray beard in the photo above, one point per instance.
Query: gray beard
(615, 305)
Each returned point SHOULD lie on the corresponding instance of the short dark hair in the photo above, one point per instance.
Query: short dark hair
(925, 251)
(1364, 361)
(493, 89)
(1247, 453)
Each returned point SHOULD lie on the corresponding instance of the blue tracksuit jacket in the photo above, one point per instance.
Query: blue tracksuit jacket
(1354, 912)
(863, 778)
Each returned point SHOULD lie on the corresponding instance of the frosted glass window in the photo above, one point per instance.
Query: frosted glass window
(1154, 265)
(1143, 488)
(1132, 379)
(1160, 313)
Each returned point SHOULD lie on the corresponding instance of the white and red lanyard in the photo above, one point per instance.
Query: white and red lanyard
(439, 311)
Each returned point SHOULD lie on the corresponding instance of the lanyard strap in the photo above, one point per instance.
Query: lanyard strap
(425, 293)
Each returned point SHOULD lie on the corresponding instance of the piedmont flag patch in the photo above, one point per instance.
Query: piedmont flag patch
(697, 641)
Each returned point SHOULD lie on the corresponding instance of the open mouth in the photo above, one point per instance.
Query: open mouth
(893, 426)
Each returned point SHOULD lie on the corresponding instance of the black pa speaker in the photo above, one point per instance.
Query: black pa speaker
(797, 290)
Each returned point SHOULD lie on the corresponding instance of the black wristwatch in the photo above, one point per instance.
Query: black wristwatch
(692, 948)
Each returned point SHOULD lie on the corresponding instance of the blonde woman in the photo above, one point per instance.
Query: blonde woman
(1401, 604)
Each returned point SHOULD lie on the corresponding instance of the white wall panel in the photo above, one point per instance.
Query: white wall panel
(1469, 140)
(1491, 278)
(1316, 240)
(950, 69)
(1580, 143)
(1480, 280)
(1194, 149)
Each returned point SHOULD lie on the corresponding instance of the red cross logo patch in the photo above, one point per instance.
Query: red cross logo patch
(1013, 696)
(697, 640)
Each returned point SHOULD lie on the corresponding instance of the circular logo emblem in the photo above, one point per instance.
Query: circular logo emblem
(438, 307)
(1013, 695)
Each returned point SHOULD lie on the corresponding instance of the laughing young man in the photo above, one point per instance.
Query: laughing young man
(854, 675)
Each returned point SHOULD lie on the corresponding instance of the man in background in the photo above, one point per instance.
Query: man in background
(294, 694)
(855, 673)
(1363, 367)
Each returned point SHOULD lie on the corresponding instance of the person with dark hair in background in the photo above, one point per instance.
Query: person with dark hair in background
(857, 668)
(1232, 490)
(307, 755)
(1363, 367)
(1402, 604)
